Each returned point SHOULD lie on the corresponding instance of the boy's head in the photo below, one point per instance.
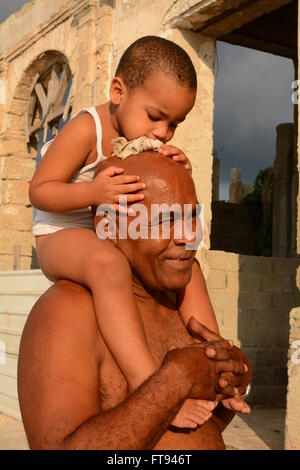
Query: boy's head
(153, 90)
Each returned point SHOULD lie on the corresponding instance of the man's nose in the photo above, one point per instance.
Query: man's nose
(186, 233)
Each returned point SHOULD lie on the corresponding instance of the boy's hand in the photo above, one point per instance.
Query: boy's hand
(177, 155)
(110, 184)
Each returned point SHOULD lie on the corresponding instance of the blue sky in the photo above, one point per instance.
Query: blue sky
(252, 96)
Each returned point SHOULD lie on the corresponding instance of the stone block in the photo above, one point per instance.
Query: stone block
(220, 260)
(14, 168)
(6, 262)
(263, 329)
(285, 266)
(255, 264)
(233, 281)
(249, 282)
(255, 300)
(11, 238)
(283, 284)
(230, 321)
(270, 357)
(16, 218)
(285, 302)
(15, 192)
(25, 263)
(13, 146)
(216, 279)
(223, 300)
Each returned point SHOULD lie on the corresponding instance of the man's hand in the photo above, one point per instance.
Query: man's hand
(177, 155)
(230, 358)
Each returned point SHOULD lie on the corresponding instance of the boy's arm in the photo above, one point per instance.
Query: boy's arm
(194, 301)
(50, 189)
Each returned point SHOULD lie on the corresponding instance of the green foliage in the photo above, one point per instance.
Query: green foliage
(261, 203)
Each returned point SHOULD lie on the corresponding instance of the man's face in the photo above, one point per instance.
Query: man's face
(164, 263)
(154, 110)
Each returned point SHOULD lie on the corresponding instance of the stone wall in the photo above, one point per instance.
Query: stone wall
(79, 31)
(252, 298)
(292, 435)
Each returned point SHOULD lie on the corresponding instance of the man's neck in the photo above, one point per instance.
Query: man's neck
(146, 294)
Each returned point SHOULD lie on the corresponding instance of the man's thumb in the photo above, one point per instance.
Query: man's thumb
(200, 331)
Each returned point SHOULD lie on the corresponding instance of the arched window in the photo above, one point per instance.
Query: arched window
(50, 104)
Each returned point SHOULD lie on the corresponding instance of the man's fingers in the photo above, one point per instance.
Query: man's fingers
(231, 366)
(217, 354)
(199, 330)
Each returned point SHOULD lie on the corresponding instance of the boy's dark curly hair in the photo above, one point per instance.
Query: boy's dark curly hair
(154, 54)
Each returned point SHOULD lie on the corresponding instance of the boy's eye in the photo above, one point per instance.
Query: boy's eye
(153, 118)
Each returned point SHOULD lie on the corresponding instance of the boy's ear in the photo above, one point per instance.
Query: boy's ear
(117, 90)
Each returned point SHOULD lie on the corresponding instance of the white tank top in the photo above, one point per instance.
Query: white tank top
(45, 223)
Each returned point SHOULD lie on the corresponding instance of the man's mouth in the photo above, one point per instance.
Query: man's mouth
(180, 262)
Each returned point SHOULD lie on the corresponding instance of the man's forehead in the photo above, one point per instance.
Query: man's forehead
(166, 181)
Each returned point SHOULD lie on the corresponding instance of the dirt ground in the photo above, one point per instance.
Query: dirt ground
(263, 429)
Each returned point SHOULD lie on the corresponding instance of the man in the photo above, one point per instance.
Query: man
(72, 392)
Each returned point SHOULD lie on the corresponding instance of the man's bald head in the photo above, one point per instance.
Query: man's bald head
(167, 181)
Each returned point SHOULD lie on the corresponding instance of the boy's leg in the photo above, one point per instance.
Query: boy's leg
(78, 255)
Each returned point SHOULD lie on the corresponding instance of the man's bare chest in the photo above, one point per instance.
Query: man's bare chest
(164, 331)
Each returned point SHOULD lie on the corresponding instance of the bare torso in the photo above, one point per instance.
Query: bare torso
(165, 330)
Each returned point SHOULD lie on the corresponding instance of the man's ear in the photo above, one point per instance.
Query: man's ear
(106, 228)
(117, 90)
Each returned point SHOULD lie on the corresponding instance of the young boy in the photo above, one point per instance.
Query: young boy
(153, 91)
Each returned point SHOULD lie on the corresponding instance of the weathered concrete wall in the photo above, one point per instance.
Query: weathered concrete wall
(292, 434)
(80, 31)
(252, 297)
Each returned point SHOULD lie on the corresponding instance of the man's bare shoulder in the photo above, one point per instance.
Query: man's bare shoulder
(60, 356)
(65, 309)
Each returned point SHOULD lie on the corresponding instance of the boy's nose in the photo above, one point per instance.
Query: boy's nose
(160, 134)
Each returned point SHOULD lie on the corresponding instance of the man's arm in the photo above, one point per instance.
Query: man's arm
(59, 388)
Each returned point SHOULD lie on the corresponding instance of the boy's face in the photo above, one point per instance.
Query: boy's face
(154, 110)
